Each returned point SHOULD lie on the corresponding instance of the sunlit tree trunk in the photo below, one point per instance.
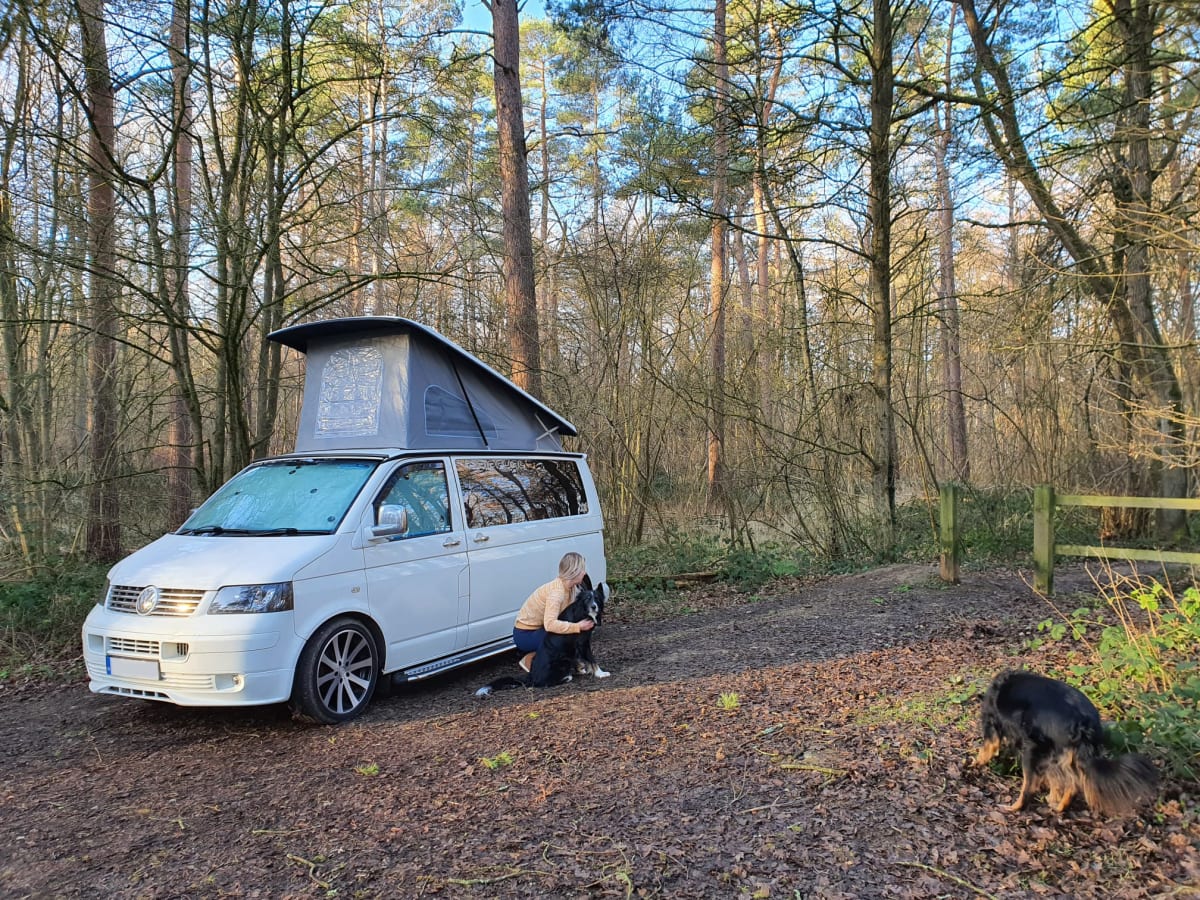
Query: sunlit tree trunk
(231, 170)
(1137, 227)
(104, 509)
(380, 140)
(549, 299)
(879, 206)
(185, 407)
(15, 404)
(719, 279)
(758, 194)
(956, 419)
(519, 292)
(269, 353)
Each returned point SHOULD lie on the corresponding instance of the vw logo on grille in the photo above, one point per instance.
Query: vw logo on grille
(147, 600)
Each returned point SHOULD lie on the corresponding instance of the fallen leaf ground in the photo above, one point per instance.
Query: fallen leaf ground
(813, 743)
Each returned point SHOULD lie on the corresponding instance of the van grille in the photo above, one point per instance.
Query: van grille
(131, 647)
(172, 601)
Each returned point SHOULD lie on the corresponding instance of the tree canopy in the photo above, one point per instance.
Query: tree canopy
(952, 240)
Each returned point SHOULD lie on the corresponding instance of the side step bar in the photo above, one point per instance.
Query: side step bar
(446, 663)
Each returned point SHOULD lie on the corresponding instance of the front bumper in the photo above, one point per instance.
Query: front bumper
(198, 660)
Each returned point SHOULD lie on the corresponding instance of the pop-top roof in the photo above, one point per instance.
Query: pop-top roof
(389, 382)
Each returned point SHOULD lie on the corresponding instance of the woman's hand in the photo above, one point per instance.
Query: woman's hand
(586, 625)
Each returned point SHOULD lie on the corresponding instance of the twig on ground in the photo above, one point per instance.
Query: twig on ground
(312, 870)
(494, 879)
(942, 873)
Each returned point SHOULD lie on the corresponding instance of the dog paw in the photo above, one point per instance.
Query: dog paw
(600, 673)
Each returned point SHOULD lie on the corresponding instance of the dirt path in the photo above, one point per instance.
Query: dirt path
(799, 746)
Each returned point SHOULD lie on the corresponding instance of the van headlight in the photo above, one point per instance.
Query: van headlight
(252, 598)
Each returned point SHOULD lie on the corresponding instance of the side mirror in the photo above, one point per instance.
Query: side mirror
(393, 520)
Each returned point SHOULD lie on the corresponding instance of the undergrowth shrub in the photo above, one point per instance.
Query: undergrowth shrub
(1142, 662)
(705, 555)
(996, 524)
(646, 576)
(750, 569)
(995, 527)
(40, 618)
(915, 532)
(673, 553)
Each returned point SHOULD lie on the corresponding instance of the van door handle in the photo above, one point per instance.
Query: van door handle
(451, 542)
(481, 538)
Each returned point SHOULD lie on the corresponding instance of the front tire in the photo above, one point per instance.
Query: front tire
(337, 672)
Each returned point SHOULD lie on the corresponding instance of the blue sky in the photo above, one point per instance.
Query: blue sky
(476, 18)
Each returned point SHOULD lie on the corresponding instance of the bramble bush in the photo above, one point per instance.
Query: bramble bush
(40, 617)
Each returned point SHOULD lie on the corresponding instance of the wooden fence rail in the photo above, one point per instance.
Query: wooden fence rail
(1045, 502)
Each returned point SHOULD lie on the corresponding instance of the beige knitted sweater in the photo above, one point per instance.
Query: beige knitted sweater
(544, 606)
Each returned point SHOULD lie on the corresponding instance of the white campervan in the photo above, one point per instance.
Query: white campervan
(427, 497)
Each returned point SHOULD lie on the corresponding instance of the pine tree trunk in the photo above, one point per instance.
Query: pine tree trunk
(956, 419)
(880, 215)
(519, 292)
(719, 278)
(103, 540)
(181, 474)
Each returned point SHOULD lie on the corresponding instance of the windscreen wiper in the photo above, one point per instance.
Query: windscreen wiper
(250, 532)
(214, 529)
(273, 532)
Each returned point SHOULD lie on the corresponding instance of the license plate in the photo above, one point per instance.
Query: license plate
(124, 667)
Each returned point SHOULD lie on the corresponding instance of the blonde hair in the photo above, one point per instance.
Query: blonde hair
(572, 565)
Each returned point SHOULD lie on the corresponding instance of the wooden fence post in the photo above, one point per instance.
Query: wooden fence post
(948, 532)
(1043, 539)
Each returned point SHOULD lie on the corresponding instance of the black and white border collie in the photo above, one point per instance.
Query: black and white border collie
(561, 655)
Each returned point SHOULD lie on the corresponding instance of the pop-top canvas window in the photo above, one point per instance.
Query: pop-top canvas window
(351, 392)
(449, 415)
(507, 491)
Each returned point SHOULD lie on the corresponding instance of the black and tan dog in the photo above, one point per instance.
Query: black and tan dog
(1056, 732)
(562, 654)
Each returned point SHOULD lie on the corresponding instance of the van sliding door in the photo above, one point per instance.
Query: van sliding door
(522, 515)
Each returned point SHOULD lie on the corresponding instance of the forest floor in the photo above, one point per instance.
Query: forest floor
(813, 742)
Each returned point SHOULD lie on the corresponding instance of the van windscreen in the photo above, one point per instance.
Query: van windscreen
(283, 497)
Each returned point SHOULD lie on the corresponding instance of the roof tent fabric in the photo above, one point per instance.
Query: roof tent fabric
(376, 382)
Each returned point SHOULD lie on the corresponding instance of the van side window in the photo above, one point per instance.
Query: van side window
(420, 489)
(503, 491)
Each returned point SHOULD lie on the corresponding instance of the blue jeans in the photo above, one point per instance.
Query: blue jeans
(529, 640)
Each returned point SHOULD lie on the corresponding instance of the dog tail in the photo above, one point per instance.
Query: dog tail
(501, 684)
(1116, 786)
